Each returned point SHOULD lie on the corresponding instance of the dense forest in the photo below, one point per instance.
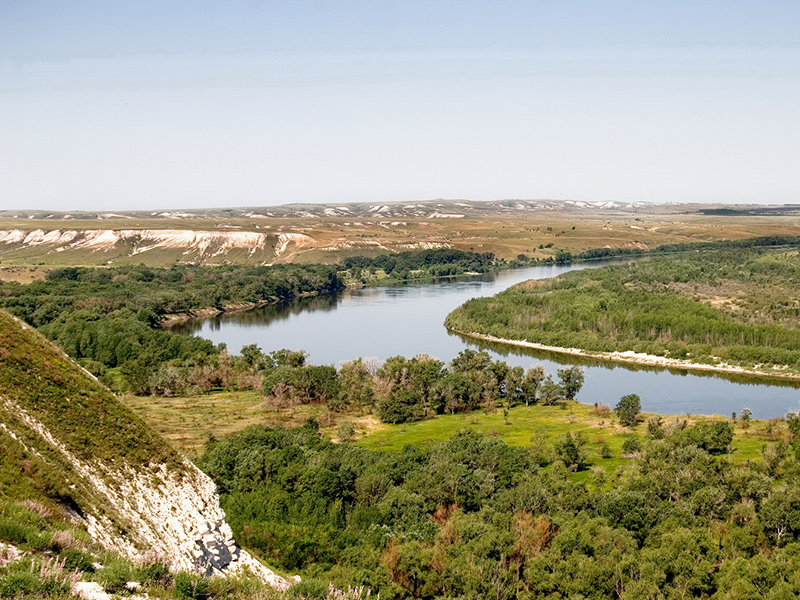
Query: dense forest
(736, 306)
(440, 262)
(111, 317)
(474, 518)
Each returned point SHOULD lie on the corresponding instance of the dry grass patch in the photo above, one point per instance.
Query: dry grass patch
(188, 422)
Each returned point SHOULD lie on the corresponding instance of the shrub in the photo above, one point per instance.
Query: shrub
(64, 540)
(25, 535)
(242, 586)
(77, 560)
(152, 572)
(114, 576)
(55, 578)
(191, 585)
(631, 445)
(23, 579)
(655, 428)
(602, 410)
(345, 431)
(19, 583)
(309, 589)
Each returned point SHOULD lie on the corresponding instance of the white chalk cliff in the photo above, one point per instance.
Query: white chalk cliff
(162, 506)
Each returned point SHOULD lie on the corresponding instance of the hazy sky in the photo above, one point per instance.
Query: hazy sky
(158, 104)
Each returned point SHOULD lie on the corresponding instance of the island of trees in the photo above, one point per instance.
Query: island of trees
(735, 307)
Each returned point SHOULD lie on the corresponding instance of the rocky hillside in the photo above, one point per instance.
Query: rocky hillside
(65, 438)
(168, 245)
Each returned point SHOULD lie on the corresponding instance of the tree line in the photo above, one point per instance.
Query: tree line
(567, 257)
(439, 262)
(404, 389)
(397, 390)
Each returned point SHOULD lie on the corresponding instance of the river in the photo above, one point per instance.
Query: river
(407, 320)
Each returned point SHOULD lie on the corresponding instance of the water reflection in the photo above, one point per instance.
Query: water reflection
(506, 350)
(257, 317)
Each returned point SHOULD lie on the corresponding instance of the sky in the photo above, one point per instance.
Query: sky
(108, 105)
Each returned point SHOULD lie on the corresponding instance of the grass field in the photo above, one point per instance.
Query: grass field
(189, 422)
(527, 425)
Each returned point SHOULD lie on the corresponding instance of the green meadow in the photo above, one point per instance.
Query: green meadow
(541, 425)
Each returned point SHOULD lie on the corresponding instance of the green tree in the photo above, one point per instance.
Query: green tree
(530, 386)
(572, 379)
(457, 392)
(401, 406)
(470, 361)
(628, 409)
(715, 437)
(569, 450)
(780, 514)
(512, 386)
(355, 385)
(253, 357)
(550, 392)
(315, 384)
(418, 376)
(289, 358)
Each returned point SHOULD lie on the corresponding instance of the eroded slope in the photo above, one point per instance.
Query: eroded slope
(89, 452)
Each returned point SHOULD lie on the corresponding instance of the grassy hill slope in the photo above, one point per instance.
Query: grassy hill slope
(67, 442)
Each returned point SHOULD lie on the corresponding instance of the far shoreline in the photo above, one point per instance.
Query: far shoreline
(631, 357)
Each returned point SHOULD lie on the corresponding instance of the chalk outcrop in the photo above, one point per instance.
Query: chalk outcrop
(186, 244)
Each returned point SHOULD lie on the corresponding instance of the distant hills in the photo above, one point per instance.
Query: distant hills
(327, 233)
(426, 209)
(423, 209)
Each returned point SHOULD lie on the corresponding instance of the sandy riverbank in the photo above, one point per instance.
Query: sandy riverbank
(635, 358)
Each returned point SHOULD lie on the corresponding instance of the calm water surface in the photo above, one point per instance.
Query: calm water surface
(407, 320)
